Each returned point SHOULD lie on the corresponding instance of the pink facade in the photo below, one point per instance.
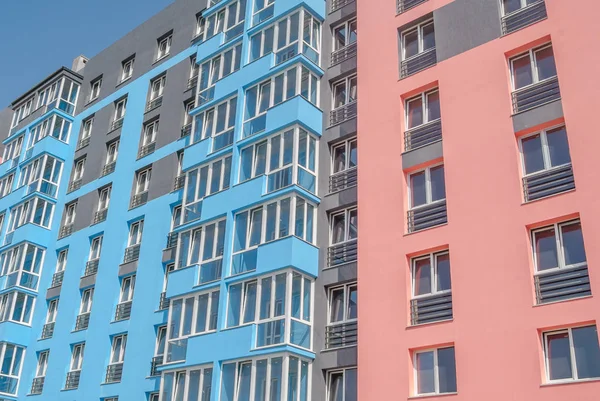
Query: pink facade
(497, 324)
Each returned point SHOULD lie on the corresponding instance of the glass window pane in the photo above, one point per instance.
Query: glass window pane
(293, 377)
(573, 247)
(271, 222)
(275, 153)
(422, 276)
(433, 106)
(202, 313)
(339, 37)
(558, 146)
(338, 233)
(280, 290)
(428, 37)
(352, 312)
(443, 272)
(522, 75)
(260, 387)
(278, 95)
(235, 301)
(255, 227)
(353, 159)
(284, 218)
(417, 189)
(425, 373)
(414, 113)
(339, 158)
(336, 305)
(353, 224)
(511, 5)
(245, 374)
(411, 44)
(587, 353)
(545, 249)
(559, 356)
(545, 63)
(265, 298)
(291, 83)
(533, 156)
(269, 40)
(250, 302)
(446, 370)
(276, 375)
(350, 385)
(261, 159)
(438, 184)
(336, 387)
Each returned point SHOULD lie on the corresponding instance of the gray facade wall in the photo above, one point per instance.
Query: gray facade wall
(5, 120)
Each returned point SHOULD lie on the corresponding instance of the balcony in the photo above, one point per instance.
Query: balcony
(548, 182)
(405, 5)
(114, 372)
(186, 130)
(341, 335)
(431, 309)
(343, 253)
(146, 150)
(343, 179)
(427, 216)
(123, 311)
(563, 284)
(524, 17)
(132, 253)
(57, 279)
(47, 331)
(423, 135)
(343, 54)
(91, 267)
(74, 185)
(37, 386)
(164, 302)
(418, 63)
(205, 96)
(172, 240)
(341, 114)
(108, 168)
(192, 82)
(154, 103)
(337, 4)
(116, 124)
(139, 200)
(179, 182)
(100, 216)
(155, 364)
(82, 322)
(263, 15)
(83, 143)
(72, 381)
(535, 95)
(65, 231)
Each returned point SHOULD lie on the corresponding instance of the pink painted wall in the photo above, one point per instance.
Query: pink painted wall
(496, 327)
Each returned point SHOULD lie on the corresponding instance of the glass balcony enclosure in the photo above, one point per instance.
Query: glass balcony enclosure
(41, 175)
(22, 265)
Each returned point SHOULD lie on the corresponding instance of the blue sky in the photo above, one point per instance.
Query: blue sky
(40, 36)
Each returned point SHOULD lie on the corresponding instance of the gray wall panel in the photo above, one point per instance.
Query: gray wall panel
(86, 206)
(421, 155)
(539, 115)
(163, 176)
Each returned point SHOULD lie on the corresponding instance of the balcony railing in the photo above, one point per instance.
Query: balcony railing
(172, 240)
(404, 5)
(91, 267)
(535, 95)
(116, 124)
(431, 309)
(192, 82)
(139, 199)
(72, 381)
(37, 386)
(132, 253)
(186, 130)
(108, 168)
(154, 103)
(337, 4)
(155, 364)
(100, 216)
(342, 180)
(146, 150)
(57, 279)
(343, 54)
(123, 311)
(164, 302)
(65, 231)
(179, 182)
(548, 182)
(423, 135)
(430, 215)
(82, 322)
(418, 63)
(345, 252)
(83, 143)
(47, 331)
(563, 284)
(114, 373)
(74, 185)
(341, 335)
(524, 17)
(341, 114)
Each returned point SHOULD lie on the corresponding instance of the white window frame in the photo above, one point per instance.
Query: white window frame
(77, 354)
(87, 300)
(531, 53)
(104, 198)
(185, 373)
(42, 363)
(433, 266)
(228, 126)
(12, 150)
(52, 311)
(157, 87)
(96, 248)
(332, 372)
(150, 132)
(70, 213)
(61, 260)
(212, 293)
(117, 349)
(120, 105)
(428, 191)
(136, 230)
(436, 370)
(142, 181)
(79, 169)
(95, 85)
(558, 236)
(164, 47)
(126, 294)
(127, 69)
(523, 5)
(216, 253)
(573, 357)
(161, 332)
(347, 83)
(86, 127)
(347, 289)
(8, 303)
(347, 145)
(347, 212)
(6, 184)
(424, 97)
(347, 27)
(114, 147)
(419, 28)
(545, 150)
(12, 374)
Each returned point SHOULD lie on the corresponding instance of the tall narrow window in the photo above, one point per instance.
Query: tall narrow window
(142, 181)
(150, 131)
(572, 354)
(164, 47)
(135, 233)
(86, 130)
(435, 371)
(120, 107)
(42, 364)
(117, 352)
(127, 69)
(344, 226)
(95, 86)
(431, 284)
(157, 87)
(344, 161)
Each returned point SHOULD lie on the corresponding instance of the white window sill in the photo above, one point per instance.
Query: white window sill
(415, 397)
(569, 381)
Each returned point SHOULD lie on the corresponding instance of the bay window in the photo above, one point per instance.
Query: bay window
(16, 306)
(55, 126)
(193, 384)
(572, 354)
(204, 181)
(434, 371)
(22, 265)
(42, 175)
(12, 357)
(218, 123)
(215, 69)
(35, 210)
(12, 150)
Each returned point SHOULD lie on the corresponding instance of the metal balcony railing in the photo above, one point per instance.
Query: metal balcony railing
(535, 95)
(341, 335)
(337, 4)
(343, 54)
(74, 185)
(345, 252)
(548, 182)
(139, 199)
(116, 124)
(83, 143)
(430, 309)
(155, 364)
(47, 331)
(82, 322)
(172, 240)
(343, 179)
(57, 279)
(132, 253)
(567, 283)
(186, 130)
(114, 372)
(146, 150)
(430, 215)
(91, 267)
(123, 311)
(341, 114)
(418, 63)
(65, 231)
(100, 216)
(524, 17)
(72, 381)
(164, 302)
(423, 135)
(37, 386)
(154, 103)
(108, 168)
(404, 5)
(192, 82)
(179, 182)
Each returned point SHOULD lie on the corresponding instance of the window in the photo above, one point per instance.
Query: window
(263, 9)
(203, 245)
(120, 107)
(150, 131)
(207, 180)
(112, 150)
(87, 298)
(342, 385)
(344, 156)
(217, 122)
(164, 47)
(157, 87)
(61, 260)
(52, 311)
(435, 371)
(418, 40)
(127, 69)
(21, 112)
(187, 109)
(558, 246)
(77, 357)
(427, 186)
(191, 384)
(510, 6)
(95, 88)
(344, 226)
(344, 35)
(135, 233)
(48, 94)
(344, 91)
(431, 275)
(22, 265)
(6, 185)
(200, 25)
(17, 307)
(423, 109)
(12, 150)
(161, 336)
(142, 181)
(70, 211)
(545, 150)
(42, 175)
(532, 67)
(42, 364)
(86, 130)
(127, 287)
(104, 198)
(343, 304)
(36, 210)
(572, 354)
(95, 248)
(117, 351)
(215, 69)
(12, 357)
(55, 126)
(156, 397)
